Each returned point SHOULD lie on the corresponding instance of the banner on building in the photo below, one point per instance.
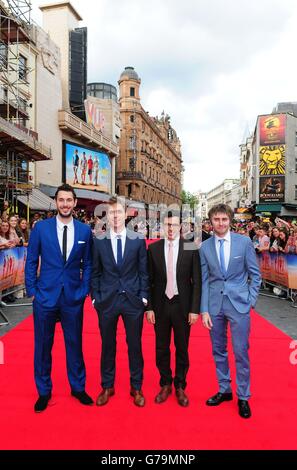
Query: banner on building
(95, 117)
(272, 129)
(272, 160)
(272, 189)
(12, 267)
(86, 168)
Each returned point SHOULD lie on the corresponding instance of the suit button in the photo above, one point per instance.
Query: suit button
(221, 291)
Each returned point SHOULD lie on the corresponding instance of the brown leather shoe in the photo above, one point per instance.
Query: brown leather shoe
(104, 395)
(164, 393)
(182, 398)
(139, 399)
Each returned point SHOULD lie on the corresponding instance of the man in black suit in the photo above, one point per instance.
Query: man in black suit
(175, 290)
(120, 287)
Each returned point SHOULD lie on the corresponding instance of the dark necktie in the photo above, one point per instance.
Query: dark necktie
(65, 244)
(119, 250)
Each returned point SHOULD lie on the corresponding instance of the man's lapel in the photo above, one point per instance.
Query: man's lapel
(54, 237)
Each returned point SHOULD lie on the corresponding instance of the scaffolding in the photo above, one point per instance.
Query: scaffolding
(15, 30)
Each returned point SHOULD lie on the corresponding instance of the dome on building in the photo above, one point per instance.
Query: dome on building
(130, 73)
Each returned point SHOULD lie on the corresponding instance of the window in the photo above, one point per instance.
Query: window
(295, 138)
(132, 118)
(132, 143)
(132, 91)
(295, 165)
(22, 67)
(295, 192)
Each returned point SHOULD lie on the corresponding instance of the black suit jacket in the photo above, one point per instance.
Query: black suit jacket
(108, 279)
(188, 273)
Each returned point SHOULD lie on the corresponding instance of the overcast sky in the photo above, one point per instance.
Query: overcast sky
(212, 65)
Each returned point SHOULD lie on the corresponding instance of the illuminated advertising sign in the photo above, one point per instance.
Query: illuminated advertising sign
(86, 168)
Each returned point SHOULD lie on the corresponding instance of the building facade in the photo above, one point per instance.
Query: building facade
(221, 194)
(149, 168)
(84, 157)
(21, 143)
(275, 154)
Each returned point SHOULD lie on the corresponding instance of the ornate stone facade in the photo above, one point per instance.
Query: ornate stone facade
(149, 167)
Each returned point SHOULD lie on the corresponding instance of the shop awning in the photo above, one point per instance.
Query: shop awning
(38, 201)
(80, 193)
(268, 208)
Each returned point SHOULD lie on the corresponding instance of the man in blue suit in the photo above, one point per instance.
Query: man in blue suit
(63, 246)
(230, 285)
(120, 287)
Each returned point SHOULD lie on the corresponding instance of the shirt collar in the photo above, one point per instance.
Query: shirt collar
(227, 237)
(175, 241)
(123, 233)
(61, 225)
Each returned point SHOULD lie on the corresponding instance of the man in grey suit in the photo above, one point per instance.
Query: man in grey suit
(230, 284)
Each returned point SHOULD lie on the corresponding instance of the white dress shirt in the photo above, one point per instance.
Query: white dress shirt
(175, 256)
(114, 242)
(227, 247)
(70, 235)
(113, 239)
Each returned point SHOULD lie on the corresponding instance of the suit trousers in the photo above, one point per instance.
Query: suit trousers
(171, 318)
(133, 323)
(45, 318)
(240, 329)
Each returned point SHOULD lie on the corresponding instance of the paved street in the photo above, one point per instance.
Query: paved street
(277, 311)
(14, 314)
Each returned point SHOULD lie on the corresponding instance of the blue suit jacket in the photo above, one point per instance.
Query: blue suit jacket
(108, 279)
(242, 281)
(74, 276)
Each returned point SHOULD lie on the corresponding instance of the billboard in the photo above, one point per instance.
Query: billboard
(272, 189)
(272, 129)
(86, 168)
(94, 115)
(272, 160)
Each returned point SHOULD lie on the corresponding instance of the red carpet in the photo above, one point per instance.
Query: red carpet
(120, 425)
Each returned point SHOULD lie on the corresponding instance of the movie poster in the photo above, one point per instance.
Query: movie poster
(272, 189)
(272, 129)
(272, 160)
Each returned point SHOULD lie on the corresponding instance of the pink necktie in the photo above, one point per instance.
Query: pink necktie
(169, 288)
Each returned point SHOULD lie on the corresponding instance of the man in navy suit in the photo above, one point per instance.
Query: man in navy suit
(230, 284)
(120, 287)
(63, 246)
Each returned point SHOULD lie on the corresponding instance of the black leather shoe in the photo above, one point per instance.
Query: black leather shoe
(42, 403)
(218, 398)
(244, 409)
(83, 397)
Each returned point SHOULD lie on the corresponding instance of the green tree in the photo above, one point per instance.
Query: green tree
(189, 198)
